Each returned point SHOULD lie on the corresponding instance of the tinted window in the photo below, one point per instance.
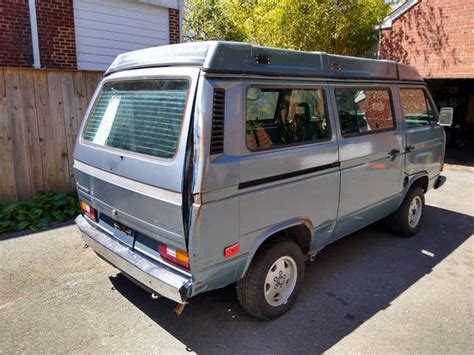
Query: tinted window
(139, 116)
(279, 117)
(416, 107)
(364, 111)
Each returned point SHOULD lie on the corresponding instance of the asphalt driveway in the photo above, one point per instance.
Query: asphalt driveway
(369, 292)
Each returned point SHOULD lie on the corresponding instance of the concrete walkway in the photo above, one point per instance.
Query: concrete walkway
(370, 292)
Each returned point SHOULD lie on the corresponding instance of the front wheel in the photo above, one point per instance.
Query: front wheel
(272, 282)
(406, 221)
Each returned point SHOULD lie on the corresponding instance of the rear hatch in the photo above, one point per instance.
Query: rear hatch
(130, 155)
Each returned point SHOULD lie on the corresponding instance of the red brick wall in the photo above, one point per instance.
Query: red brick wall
(15, 37)
(55, 19)
(56, 33)
(436, 36)
(174, 25)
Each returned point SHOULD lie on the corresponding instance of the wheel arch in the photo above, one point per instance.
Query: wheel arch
(299, 230)
(420, 179)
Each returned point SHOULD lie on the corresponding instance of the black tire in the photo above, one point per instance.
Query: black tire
(251, 288)
(399, 221)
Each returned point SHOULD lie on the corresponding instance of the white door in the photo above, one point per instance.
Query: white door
(107, 28)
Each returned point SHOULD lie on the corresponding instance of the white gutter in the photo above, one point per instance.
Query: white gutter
(169, 4)
(34, 34)
(399, 11)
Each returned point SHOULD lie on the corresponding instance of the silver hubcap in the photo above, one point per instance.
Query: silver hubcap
(280, 281)
(414, 211)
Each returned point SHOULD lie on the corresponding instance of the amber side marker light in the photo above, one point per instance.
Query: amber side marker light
(442, 167)
(88, 211)
(174, 255)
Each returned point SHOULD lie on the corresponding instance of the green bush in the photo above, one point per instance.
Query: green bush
(42, 211)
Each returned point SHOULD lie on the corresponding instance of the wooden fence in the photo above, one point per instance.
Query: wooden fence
(40, 115)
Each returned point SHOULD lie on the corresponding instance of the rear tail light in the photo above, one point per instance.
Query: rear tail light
(174, 255)
(88, 211)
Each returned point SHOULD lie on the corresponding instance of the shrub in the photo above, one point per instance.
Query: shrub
(42, 211)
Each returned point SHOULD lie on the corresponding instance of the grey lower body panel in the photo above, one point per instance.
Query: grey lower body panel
(158, 278)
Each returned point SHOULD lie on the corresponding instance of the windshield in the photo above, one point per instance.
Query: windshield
(139, 116)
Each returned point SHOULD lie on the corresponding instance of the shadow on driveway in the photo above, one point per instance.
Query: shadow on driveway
(349, 282)
(26, 232)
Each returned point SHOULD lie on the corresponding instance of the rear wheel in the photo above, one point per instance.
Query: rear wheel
(272, 282)
(406, 221)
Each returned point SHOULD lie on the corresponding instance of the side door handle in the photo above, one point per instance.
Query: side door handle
(394, 152)
(409, 148)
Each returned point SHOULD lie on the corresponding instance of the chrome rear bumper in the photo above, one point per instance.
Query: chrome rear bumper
(159, 278)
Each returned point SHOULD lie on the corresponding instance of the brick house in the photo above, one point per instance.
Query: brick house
(82, 34)
(437, 37)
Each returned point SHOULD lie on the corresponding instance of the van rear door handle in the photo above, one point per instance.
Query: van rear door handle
(394, 152)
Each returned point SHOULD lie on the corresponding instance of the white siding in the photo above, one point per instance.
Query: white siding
(106, 28)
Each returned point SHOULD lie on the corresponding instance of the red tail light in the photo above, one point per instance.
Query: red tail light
(176, 256)
(88, 211)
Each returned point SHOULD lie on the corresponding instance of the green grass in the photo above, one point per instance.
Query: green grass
(42, 211)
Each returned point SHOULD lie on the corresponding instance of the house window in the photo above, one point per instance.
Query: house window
(364, 111)
(278, 117)
(416, 108)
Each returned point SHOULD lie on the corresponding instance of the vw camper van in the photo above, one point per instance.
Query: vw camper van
(201, 165)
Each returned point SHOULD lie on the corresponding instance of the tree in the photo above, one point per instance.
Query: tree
(206, 20)
(336, 26)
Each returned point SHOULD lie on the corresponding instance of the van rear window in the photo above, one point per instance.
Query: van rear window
(139, 116)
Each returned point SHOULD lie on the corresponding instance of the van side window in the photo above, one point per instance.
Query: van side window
(279, 117)
(416, 108)
(364, 111)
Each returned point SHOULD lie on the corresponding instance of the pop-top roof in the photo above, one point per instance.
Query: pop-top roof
(244, 58)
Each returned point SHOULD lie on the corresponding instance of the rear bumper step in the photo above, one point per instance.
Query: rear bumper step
(155, 277)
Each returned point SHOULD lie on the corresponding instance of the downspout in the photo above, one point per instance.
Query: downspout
(379, 42)
(180, 9)
(34, 34)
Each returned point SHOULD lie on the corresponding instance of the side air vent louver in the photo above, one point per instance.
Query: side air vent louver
(217, 133)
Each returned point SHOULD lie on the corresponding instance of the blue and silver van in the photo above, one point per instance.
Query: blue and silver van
(205, 164)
